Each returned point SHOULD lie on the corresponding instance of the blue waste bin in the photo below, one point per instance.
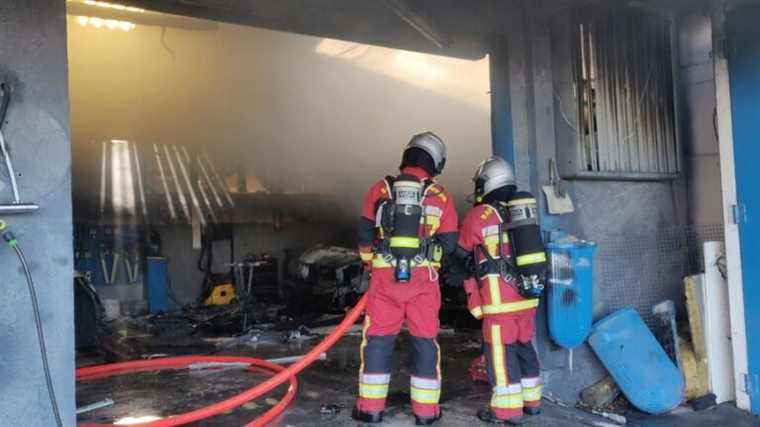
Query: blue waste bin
(570, 291)
(637, 362)
(157, 285)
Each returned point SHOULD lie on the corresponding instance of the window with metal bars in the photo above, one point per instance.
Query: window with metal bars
(625, 92)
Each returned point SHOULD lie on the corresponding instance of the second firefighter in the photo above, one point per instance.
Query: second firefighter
(500, 242)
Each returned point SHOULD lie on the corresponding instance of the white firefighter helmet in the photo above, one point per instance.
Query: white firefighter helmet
(492, 173)
(431, 144)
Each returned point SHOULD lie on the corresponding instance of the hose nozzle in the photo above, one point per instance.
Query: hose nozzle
(8, 235)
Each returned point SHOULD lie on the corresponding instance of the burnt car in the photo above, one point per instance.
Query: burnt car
(322, 279)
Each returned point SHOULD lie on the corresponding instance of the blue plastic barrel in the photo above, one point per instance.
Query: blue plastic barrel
(570, 291)
(637, 362)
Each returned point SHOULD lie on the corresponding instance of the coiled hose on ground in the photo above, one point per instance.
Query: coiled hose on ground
(282, 374)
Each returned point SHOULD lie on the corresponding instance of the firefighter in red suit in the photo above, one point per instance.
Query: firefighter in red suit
(508, 317)
(405, 289)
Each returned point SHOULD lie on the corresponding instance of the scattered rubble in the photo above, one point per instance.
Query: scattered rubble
(329, 409)
(601, 394)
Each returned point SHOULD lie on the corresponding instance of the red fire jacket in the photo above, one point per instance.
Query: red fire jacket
(490, 296)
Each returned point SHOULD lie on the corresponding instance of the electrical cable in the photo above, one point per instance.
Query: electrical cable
(13, 243)
(285, 374)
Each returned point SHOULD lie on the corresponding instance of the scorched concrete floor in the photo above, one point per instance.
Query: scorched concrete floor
(331, 382)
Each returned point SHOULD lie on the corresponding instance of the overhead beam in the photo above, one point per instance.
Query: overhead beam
(361, 21)
(415, 20)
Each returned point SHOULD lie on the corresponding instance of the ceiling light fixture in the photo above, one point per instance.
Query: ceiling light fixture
(111, 24)
(113, 6)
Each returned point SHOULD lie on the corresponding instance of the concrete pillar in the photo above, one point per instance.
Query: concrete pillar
(502, 139)
(33, 61)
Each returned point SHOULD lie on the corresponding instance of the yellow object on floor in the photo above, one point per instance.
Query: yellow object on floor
(693, 354)
(694, 373)
(222, 294)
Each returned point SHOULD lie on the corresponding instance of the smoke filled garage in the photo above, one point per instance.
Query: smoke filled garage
(391, 212)
(219, 176)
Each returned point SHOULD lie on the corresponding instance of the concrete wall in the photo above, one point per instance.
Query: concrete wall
(640, 227)
(33, 60)
(700, 134)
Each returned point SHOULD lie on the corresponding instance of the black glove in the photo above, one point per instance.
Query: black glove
(364, 281)
(453, 278)
(457, 272)
(465, 262)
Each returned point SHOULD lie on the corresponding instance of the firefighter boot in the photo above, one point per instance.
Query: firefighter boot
(367, 417)
(427, 421)
(487, 416)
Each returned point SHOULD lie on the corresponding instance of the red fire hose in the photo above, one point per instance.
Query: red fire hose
(282, 374)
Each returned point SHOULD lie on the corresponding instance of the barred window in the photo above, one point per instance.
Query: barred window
(624, 86)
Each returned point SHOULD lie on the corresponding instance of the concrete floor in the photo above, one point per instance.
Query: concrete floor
(333, 382)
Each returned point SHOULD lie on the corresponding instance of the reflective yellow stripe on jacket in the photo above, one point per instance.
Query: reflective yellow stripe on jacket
(510, 307)
(405, 242)
(477, 312)
(380, 262)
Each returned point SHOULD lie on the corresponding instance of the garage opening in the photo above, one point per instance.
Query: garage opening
(218, 176)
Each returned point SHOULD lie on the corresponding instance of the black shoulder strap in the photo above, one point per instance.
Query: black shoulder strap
(427, 184)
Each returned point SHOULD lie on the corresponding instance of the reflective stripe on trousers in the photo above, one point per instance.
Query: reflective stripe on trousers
(425, 390)
(531, 389)
(505, 395)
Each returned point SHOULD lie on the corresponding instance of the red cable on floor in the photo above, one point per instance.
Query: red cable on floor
(283, 374)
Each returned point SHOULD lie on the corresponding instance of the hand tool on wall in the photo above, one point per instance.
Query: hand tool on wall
(132, 265)
(16, 206)
(558, 201)
(162, 174)
(114, 267)
(180, 193)
(104, 268)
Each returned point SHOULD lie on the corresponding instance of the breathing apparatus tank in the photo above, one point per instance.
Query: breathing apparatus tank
(527, 246)
(401, 218)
